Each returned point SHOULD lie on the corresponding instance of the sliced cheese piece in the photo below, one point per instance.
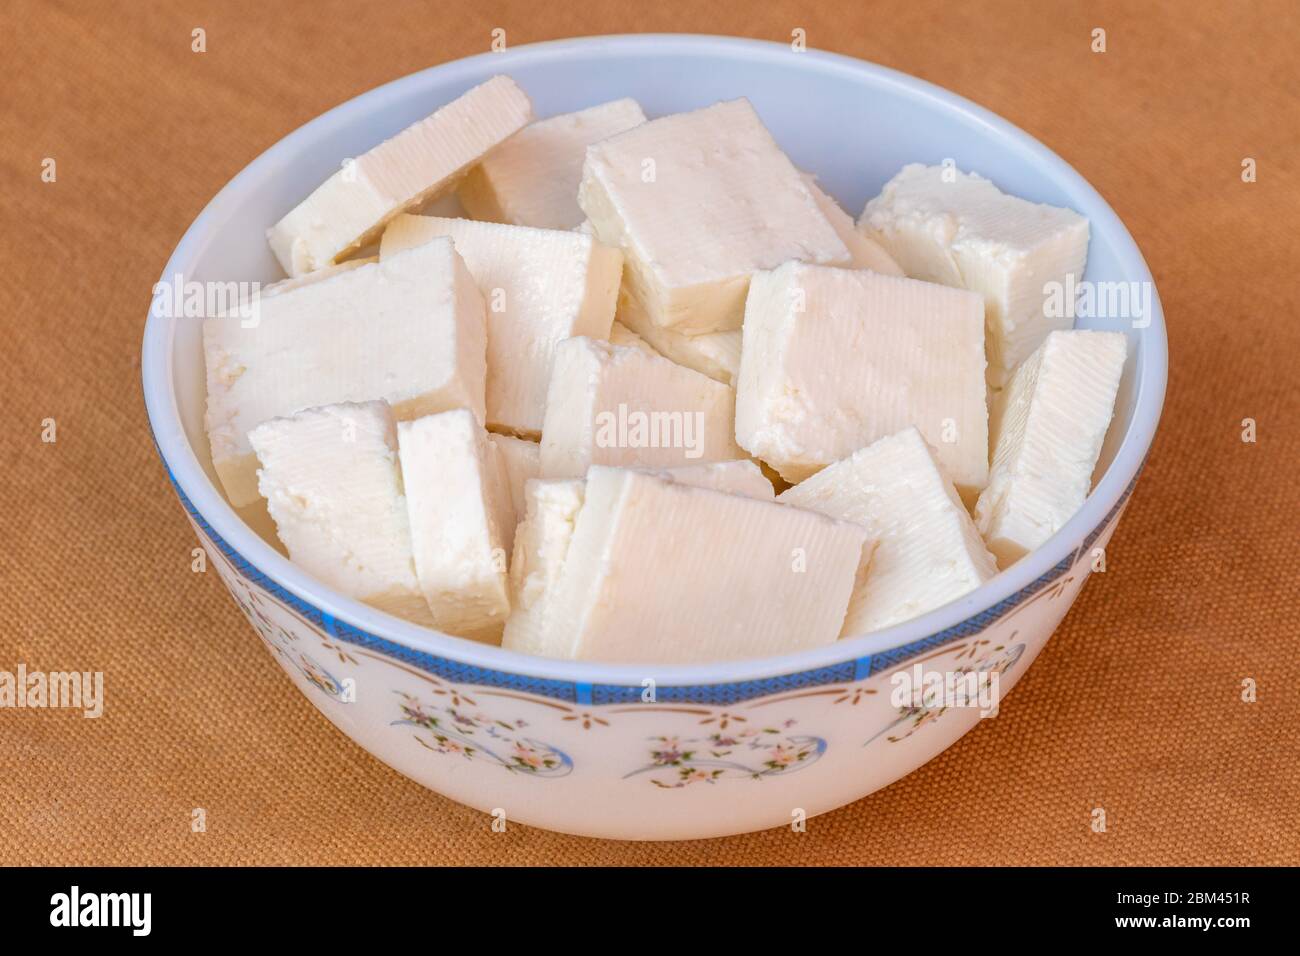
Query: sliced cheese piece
(462, 522)
(541, 543)
(532, 178)
(546, 525)
(715, 354)
(409, 330)
(350, 208)
(833, 359)
(1054, 414)
(698, 202)
(620, 405)
(649, 575)
(522, 462)
(334, 489)
(864, 251)
(927, 549)
(959, 229)
(539, 286)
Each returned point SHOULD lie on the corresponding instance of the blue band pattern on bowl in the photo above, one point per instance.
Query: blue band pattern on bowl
(598, 694)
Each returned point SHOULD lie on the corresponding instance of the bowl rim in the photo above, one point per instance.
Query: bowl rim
(218, 519)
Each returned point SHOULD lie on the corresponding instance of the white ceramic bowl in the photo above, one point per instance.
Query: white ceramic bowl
(581, 747)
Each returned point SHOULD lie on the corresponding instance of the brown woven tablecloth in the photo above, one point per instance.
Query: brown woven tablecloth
(1135, 706)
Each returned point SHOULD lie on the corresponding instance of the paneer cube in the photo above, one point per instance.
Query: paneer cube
(417, 165)
(546, 524)
(927, 553)
(522, 461)
(698, 202)
(958, 229)
(409, 330)
(648, 575)
(833, 359)
(1052, 418)
(539, 286)
(332, 483)
(532, 178)
(462, 522)
(620, 405)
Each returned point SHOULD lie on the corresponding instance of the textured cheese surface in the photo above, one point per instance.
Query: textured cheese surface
(532, 178)
(409, 330)
(833, 359)
(715, 354)
(541, 544)
(650, 575)
(332, 484)
(1053, 418)
(539, 286)
(864, 251)
(460, 511)
(522, 462)
(698, 202)
(927, 549)
(620, 405)
(967, 233)
(546, 525)
(415, 166)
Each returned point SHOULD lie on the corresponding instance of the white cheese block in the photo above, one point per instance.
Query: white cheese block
(620, 405)
(462, 522)
(409, 330)
(332, 484)
(650, 577)
(541, 543)
(959, 229)
(539, 286)
(864, 251)
(348, 209)
(698, 202)
(715, 354)
(532, 178)
(1054, 413)
(546, 525)
(833, 359)
(522, 462)
(927, 552)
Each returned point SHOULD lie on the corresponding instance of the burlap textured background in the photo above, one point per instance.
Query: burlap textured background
(1134, 706)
